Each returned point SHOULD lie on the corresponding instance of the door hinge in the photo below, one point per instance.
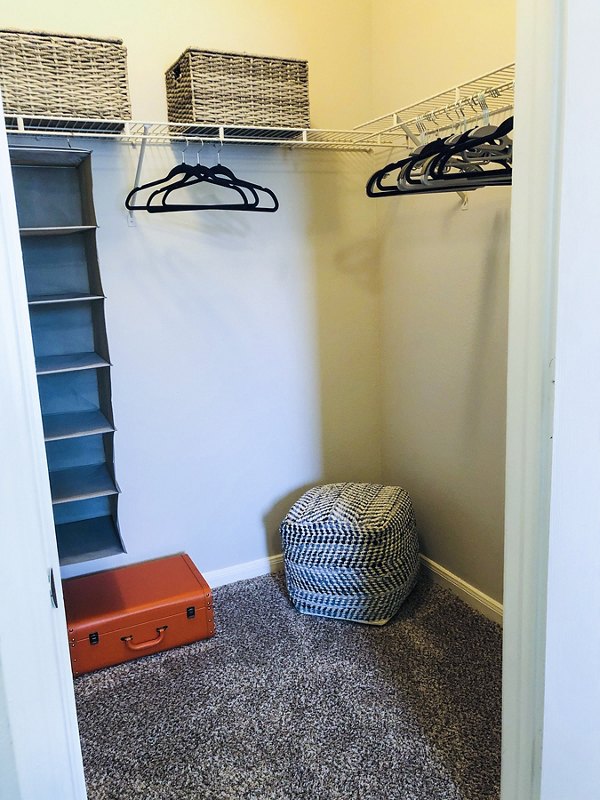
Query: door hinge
(53, 597)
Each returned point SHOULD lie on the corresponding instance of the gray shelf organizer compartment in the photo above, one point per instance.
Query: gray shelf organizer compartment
(69, 335)
(53, 189)
(57, 266)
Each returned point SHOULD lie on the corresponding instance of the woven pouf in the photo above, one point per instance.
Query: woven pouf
(351, 551)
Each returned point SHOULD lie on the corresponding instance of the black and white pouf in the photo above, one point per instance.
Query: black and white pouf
(351, 551)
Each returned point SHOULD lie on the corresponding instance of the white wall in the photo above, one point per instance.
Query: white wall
(246, 347)
(444, 312)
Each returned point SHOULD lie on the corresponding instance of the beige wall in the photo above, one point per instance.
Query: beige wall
(444, 301)
(332, 36)
(419, 49)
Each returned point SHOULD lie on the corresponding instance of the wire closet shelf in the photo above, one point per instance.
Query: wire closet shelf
(166, 132)
(459, 107)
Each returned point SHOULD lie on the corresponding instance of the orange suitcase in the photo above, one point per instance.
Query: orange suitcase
(121, 614)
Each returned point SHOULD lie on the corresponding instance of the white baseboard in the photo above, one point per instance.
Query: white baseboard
(481, 602)
(241, 572)
(264, 566)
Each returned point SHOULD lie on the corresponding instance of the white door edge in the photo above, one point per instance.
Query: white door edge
(536, 199)
(39, 741)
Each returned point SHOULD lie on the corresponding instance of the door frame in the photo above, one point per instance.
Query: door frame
(552, 644)
(40, 751)
(551, 701)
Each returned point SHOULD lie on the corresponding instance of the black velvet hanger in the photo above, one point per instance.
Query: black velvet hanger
(456, 163)
(188, 175)
(179, 169)
(218, 175)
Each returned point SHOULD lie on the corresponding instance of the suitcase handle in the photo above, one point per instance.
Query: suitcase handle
(145, 645)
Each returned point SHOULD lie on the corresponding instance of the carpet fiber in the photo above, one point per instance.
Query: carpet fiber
(282, 706)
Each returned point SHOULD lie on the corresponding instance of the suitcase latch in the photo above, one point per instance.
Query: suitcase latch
(94, 638)
(191, 612)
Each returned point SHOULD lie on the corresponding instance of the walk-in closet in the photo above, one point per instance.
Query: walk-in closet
(263, 253)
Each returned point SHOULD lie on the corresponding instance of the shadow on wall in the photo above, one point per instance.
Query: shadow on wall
(346, 279)
(445, 326)
(483, 347)
(348, 319)
(274, 517)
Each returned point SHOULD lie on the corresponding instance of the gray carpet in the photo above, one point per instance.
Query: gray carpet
(281, 706)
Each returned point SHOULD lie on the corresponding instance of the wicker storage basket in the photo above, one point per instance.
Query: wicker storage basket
(351, 551)
(61, 76)
(233, 89)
